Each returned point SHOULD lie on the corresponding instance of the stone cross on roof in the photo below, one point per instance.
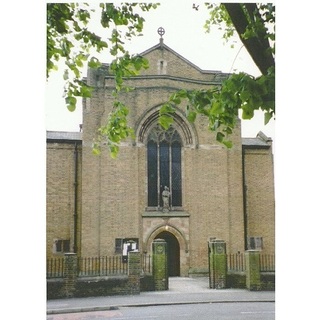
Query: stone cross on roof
(161, 32)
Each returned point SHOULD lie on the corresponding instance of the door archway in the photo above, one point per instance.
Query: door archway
(173, 249)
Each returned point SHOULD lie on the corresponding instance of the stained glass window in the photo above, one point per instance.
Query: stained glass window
(152, 174)
(164, 166)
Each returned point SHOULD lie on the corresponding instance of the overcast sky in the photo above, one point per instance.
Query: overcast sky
(184, 33)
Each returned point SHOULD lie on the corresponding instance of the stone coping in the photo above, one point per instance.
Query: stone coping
(160, 214)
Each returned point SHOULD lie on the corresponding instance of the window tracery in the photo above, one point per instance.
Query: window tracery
(164, 166)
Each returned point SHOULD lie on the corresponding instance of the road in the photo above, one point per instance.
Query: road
(199, 311)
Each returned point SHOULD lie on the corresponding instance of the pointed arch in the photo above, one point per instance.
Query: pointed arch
(181, 124)
(183, 243)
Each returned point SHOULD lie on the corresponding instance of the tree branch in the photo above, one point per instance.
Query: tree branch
(256, 46)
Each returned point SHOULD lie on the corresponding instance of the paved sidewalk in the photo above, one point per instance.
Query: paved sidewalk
(181, 291)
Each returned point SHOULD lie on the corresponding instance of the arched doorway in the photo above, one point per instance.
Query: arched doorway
(173, 248)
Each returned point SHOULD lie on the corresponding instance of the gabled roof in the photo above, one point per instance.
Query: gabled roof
(161, 45)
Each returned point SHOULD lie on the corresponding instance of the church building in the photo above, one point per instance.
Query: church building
(180, 184)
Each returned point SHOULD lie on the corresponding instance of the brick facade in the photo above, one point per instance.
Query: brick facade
(260, 203)
(113, 193)
(60, 193)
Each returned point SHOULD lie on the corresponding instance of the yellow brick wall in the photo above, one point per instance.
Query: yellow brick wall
(114, 192)
(260, 196)
(60, 194)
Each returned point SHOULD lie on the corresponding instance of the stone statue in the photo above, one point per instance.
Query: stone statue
(165, 198)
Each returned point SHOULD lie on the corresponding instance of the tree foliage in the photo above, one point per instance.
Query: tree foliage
(69, 38)
(255, 25)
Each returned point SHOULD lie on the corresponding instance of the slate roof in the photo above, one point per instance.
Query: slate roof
(64, 136)
(260, 141)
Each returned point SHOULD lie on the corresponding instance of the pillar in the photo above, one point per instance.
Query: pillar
(160, 265)
(134, 271)
(70, 274)
(217, 264)
(253, 282)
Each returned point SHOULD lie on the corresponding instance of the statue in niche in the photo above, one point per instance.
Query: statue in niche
(165, 198)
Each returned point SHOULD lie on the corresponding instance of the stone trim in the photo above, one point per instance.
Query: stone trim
(160, 214)
(168, 228)
(150, 118)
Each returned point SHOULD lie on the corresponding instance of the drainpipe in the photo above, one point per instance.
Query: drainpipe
(244, 191)
(75, 214)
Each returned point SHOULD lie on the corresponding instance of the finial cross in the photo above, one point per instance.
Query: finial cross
(161, 31)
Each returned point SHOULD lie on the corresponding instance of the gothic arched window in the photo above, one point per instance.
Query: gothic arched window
(164, 166)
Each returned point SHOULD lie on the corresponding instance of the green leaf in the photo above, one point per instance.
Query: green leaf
(66, 74)
(79, 62)
(85, 91)
(247, 113)
(165, 121)
(114, 150)
(96, 150)
(167, 108)
(216, 125)
(191, 116)
(220, 136)
(176, 99)
(267, 117)
(216, 108)
(244, 95)
(228, 143)
(71, 103)
(71, 107)
(94, 63)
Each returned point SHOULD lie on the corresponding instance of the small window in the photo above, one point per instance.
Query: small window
(118, 249)
(255, 243)
(162, 67)
(61, 246)
(128, 244)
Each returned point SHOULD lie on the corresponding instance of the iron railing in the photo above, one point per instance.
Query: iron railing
(146, 266)
(102, 266)
(114, 265)
(267, 263)
(97, 266)
(55, 267)
(236, 262)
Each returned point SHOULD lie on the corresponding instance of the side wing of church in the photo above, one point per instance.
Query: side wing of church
(180, 185)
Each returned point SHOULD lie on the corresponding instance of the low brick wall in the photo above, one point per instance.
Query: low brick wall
(238, 280)
(73, 286)
(89, 287)
(147, 283)
(55, 289)
(98, 286)
(107, 286)
(268, 281)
